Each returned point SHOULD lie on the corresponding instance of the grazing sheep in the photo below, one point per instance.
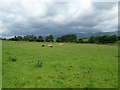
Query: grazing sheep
(43, 45)
(61, 44)
(13, 41)
(50, 45)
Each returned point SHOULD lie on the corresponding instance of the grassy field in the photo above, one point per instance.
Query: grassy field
(70, 65)
(0, 64)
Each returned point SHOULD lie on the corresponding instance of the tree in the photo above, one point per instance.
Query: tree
(103, 39)
(15, 38)
(92, 40)
(114, 39)
(32, 38)
(1, 38)
(19, 38)
(26, 38)
(68, 38)
(49, 38)
(71, 38)
(40, 39)
(80, 40)
(29, 38)
(59, 40)
(118, 37)
(64, 38)
(107, 39)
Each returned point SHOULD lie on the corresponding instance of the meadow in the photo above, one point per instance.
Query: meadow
(0, 64)
(70, 65)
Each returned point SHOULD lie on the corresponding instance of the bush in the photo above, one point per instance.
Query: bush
(86, 42)
(12, 58)
(80, 40)
(39, 64)
(49, 38)
(40, 39)
(59, 40)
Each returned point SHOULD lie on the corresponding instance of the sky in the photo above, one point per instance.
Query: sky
(40, 17)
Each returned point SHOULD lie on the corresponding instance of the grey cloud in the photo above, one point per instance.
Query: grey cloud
(57, 19)
(104, 5)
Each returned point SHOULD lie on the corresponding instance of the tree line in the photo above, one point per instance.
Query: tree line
(67, 38)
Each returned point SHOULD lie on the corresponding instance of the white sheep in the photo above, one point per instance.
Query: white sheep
(50, 45)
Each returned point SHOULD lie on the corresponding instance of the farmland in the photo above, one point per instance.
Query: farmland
(70, 65)
(0, 64)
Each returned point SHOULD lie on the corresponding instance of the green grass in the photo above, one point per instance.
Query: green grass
(0, 64)
(70, 65)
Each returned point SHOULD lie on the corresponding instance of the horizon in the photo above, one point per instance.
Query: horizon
(79, 35)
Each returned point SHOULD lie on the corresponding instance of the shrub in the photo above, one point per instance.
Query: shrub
(12, 58)
(39, 64)
(80, 40)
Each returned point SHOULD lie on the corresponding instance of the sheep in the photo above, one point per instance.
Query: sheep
(43, 45)
(13, 41)
(61, 44)
(50, 45)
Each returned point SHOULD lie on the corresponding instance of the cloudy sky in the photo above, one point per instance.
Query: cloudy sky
(40, 17)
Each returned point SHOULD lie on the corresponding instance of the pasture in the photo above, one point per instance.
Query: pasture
(70, 65)
(0, 64)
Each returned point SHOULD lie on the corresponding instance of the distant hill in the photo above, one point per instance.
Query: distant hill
(105, 33)
(89, 34)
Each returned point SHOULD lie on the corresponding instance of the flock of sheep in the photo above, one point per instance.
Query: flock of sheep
(43, 45)
(50, 45)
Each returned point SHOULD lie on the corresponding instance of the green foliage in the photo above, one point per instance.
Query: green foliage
(59, 40)
(103, 39)
(118, 37)
(40, 39)
(49, 38)
(92, 40)
(80, 40)
(26, 38)
(19, 38)
(2, 38)
(31, 38)
(67, 38)
(16, 38)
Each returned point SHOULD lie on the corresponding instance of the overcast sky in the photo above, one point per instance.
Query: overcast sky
(22, 17)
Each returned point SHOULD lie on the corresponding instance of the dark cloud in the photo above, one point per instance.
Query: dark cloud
(104, 5)
(22, 18)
